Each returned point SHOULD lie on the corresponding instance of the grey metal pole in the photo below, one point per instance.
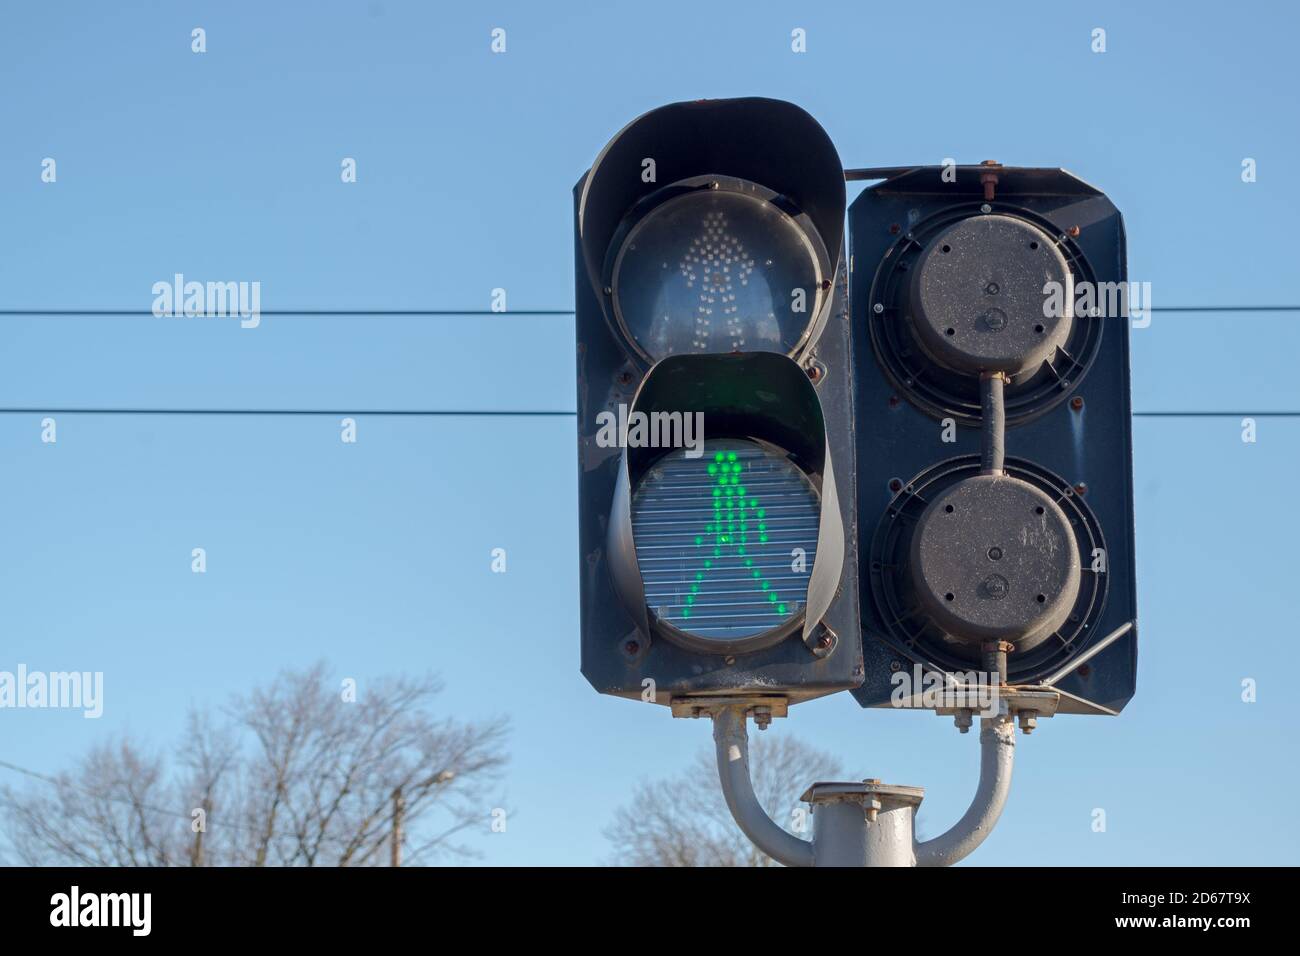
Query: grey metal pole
(732, 741)
(997, 754)
(863, 824)
(869, 823)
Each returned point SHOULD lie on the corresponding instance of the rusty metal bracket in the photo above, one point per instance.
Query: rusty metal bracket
(1012, 699)
(761, 709)
(989, 178)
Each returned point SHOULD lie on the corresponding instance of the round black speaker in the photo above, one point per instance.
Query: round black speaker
(961, 557)
(963, 292)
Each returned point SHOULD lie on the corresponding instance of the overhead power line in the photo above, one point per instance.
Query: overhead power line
(403, 412)
(136, 805)
(456, 313)
(484, 412)
(344, 313)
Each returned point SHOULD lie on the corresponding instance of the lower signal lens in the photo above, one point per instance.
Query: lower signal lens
(718, 539)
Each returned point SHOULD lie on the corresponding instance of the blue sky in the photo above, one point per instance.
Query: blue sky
(375, 556)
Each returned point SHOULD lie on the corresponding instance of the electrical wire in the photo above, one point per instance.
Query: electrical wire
(505, 413)
(482, 413)
(399, 313)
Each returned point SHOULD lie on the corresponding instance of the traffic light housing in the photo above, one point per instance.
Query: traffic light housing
(968, 545)
(711, 297)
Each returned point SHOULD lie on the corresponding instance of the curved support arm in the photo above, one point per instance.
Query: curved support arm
(732, 740)
(997, 752)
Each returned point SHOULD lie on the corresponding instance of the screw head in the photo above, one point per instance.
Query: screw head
(986, 208)
(1077, 403)
(631, 648)
(878, 308)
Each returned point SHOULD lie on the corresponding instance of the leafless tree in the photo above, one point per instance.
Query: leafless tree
(293, 774)
(682, 820)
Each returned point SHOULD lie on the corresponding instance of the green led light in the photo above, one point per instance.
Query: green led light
(728, 543)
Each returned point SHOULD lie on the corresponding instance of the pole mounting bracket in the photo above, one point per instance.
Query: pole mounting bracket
(762, 709)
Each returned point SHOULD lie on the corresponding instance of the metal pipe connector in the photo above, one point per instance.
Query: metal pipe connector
(732, 740)
(997, 753)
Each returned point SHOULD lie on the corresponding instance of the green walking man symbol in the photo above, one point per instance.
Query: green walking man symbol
(737, 516)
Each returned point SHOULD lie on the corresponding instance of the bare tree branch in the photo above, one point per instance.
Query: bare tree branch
(682, 820)
(294, 775)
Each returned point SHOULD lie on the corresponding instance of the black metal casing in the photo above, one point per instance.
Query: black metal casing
(608, 377)
(778, 146)
(1081, 454)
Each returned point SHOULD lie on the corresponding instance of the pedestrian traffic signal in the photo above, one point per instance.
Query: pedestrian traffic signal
(715, 415)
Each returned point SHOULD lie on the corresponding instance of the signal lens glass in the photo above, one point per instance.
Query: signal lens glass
(716, 539)
(716, 271)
